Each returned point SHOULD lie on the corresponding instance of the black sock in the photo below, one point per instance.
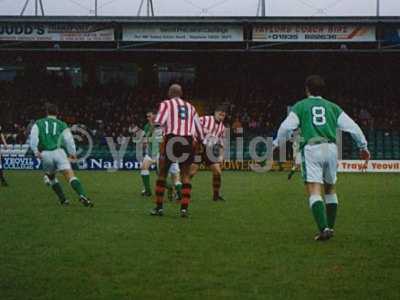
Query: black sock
(2, 176)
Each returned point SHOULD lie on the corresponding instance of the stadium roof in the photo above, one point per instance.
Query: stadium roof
(113, 19)
(376, 41)
(207, 7)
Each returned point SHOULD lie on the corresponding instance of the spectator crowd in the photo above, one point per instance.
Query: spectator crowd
(117, 110)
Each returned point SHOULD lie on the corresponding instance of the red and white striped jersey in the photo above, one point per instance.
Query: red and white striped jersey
(179, 117)
(212, 127)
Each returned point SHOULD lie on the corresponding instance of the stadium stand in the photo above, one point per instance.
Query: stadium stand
(116, 110)
(258, 87)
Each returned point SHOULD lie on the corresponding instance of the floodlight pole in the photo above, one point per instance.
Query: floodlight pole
(378, 8)
(261, 8)
(37, 4)
(95, 8)
(149, 8)
(140, 8)
(41, 7)
(24, 8)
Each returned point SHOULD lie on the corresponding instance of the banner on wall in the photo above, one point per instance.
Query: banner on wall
(57, 32)
(91, 164)
(373, 166)
(392, 34)
(22, 162)
(17, 159)
(13, 162)
(314, 33)
(183, 33)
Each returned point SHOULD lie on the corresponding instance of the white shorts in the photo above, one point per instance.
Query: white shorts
(56, 160)
(319, 163)
(173, 169)
(297, 158)
(150, 159)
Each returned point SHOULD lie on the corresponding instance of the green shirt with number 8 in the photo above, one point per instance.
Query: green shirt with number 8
(318, 120)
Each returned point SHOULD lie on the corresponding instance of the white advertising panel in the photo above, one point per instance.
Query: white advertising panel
(313, 33)
(183, 33)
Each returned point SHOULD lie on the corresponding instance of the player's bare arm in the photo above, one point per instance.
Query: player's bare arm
(3, 140)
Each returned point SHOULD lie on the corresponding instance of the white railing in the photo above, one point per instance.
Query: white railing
(14, 150)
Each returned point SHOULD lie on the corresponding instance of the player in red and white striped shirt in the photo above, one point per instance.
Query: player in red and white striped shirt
(180, 126)
(179, 118)
(212, 156)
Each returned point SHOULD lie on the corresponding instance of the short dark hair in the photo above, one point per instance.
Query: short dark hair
(51, 109)
(315, 84)
(175, 90)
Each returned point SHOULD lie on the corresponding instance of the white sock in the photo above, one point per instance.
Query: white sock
(331, 199)
(313, 199)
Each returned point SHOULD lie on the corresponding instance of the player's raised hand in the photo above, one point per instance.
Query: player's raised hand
(365, 155)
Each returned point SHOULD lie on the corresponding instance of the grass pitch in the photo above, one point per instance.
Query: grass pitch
(257, 245)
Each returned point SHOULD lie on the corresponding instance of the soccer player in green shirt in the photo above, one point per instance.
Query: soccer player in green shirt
(296, 153)
(2, 140)
(318, 120)
(48, 138)
(152, 153)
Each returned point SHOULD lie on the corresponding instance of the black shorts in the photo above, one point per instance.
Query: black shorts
(177, 149)
(207, 156)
